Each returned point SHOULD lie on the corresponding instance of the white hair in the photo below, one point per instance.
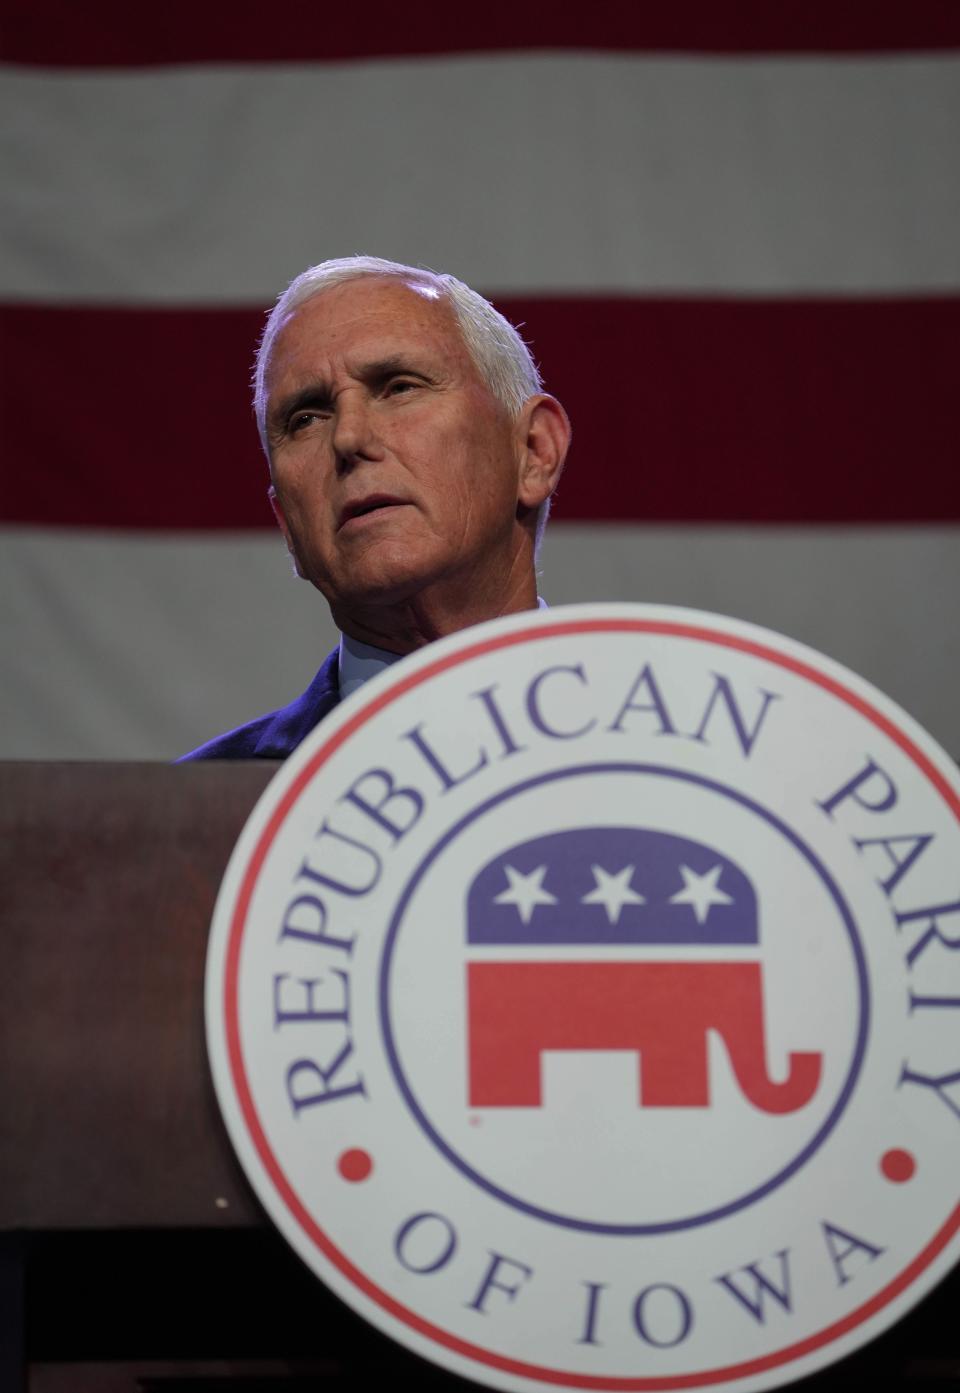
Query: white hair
(496, 349)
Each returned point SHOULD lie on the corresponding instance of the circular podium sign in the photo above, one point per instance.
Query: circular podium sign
(583, 1002)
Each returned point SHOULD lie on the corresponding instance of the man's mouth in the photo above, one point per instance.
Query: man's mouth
(363, 507)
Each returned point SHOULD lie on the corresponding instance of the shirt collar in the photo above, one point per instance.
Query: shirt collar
(359, 662)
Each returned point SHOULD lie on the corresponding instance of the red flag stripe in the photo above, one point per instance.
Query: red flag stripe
(113, 33)
(684, 411)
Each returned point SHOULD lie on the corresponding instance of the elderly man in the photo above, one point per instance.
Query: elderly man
(412, 458)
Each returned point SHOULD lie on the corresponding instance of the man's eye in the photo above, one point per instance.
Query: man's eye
(399, 385)
(302, 419)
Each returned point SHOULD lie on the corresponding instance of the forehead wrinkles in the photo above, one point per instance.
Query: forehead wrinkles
(385, 320)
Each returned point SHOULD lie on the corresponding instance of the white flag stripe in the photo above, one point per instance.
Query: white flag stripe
(519, 172)
(137, 646)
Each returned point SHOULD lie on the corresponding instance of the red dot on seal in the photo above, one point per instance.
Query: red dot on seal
(898, 1165)
(354, 1164)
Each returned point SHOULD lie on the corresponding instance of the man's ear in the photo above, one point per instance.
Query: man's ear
(545, 440)
(284, 526)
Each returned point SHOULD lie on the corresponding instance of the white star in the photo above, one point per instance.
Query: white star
(612, 891)
(525, 891)
(700, 891)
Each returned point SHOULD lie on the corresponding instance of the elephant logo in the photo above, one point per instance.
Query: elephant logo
(597, 889)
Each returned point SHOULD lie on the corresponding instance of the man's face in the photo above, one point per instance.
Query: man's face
(394, 466)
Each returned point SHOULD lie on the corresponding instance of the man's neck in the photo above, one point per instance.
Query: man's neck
(358, 662)
(423, 618)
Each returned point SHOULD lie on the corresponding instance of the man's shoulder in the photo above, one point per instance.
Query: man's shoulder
(277, 734)
(242, 743)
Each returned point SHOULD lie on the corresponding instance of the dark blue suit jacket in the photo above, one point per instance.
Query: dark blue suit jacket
(278, 734)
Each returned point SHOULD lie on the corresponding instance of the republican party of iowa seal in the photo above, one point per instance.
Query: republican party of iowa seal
(583, 1004)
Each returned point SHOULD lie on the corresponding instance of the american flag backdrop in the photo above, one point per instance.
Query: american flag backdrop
(732, 236)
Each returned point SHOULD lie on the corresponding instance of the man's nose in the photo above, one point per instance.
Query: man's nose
(354, 433)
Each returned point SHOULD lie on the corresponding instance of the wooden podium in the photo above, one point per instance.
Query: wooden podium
(132, 1253)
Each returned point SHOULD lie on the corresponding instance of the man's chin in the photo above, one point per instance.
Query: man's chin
(384, 589)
